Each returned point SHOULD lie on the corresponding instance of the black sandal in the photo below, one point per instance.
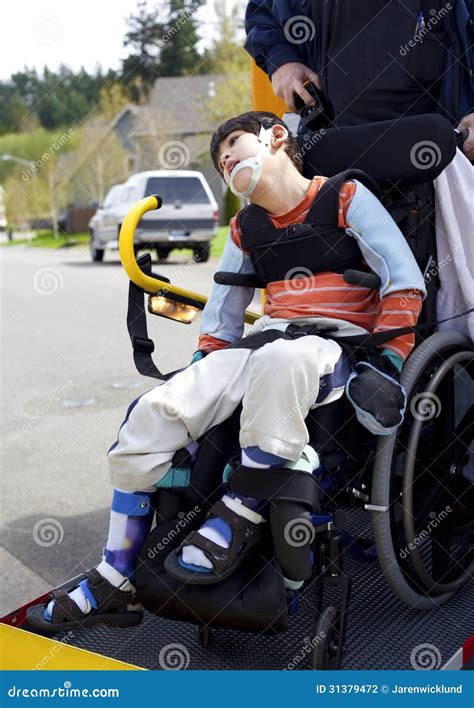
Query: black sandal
(112, 607)
(245, 535)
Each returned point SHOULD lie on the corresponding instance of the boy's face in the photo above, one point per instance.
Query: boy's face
(237, 146)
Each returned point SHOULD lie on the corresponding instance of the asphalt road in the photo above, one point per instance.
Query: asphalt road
(67, 379)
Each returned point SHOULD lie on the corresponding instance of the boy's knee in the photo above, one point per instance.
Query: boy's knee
(277, 358)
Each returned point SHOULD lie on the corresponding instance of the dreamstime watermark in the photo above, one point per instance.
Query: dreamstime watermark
(48, 281)
(53, 652)
(48, 532)
(299, 280)
(174, 155)
(47, 29)
(46, 407)
(308, 397)
(183, 521)
(299, 532)
(309, 142)
(57, 144)
(433, 271)
(182, 19)
(64, 691)
(175, 407)
(421, 33)
(299, 29)
(435, 519)
(306, 650)
(425, 657)
(425, 406)
(425, 154)
(174, 657)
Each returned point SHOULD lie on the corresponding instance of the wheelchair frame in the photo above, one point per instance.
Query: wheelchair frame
(416, 582)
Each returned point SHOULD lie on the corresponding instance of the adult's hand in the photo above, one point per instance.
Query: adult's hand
(468, 145)
(289, 78)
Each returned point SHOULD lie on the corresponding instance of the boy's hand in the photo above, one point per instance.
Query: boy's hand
(468, 145)
(289, 79)
(197, 356)
(386, 361)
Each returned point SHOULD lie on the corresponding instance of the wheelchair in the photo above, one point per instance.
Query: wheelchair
(411, 493)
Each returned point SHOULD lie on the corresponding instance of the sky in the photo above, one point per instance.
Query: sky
(74, 32)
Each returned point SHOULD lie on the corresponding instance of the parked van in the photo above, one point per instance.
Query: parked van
(188, 218)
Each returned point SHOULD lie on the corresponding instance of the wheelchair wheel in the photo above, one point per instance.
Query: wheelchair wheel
(327, 651)
(425, 541)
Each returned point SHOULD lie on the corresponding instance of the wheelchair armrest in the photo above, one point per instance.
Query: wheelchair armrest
(223, 277)
(359, 277)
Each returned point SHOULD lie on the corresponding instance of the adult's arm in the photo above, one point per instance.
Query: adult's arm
(268, 25)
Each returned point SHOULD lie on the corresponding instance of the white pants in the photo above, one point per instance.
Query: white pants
(277, 385)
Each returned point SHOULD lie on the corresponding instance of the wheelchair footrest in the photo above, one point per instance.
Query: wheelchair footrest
(253, 599)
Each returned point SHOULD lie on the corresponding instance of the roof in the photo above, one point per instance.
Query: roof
(177, 105)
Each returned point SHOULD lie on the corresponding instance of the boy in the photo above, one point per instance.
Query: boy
(258, 158)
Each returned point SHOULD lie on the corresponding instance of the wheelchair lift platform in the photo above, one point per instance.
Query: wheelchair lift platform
(381, 633)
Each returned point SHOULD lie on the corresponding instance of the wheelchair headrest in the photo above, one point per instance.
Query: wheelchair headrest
(414, 149)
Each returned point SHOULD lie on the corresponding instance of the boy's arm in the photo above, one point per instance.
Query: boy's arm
(387, 253)
(223, 316)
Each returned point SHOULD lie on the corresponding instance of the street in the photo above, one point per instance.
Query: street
(67, 378)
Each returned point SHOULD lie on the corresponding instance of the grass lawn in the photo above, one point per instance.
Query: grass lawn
(45, 239)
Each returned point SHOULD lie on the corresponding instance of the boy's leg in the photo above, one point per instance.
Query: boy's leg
(162, 421)
(170, 416)
(287, 378)
(131, 517)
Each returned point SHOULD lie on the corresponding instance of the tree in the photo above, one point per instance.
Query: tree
(232, 204)
(54, 99)
(228, 58)
(179, 55)
(141, 68)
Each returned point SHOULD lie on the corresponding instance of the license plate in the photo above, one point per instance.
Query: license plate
(177, 234)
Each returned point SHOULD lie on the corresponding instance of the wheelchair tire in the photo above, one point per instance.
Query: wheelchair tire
(327, 653)
(444, 342)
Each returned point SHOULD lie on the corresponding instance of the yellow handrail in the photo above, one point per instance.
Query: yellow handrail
(133, 270)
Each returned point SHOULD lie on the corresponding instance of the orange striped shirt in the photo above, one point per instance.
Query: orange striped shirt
(327, 294)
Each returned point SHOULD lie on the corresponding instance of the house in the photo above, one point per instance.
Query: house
(173, 130)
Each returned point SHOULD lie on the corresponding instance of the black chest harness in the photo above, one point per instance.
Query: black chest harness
(299, 250)
(316, 245)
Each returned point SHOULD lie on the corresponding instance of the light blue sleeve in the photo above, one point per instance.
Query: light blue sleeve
(383, 245)
(223, 316)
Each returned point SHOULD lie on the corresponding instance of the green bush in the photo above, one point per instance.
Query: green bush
(231, 206)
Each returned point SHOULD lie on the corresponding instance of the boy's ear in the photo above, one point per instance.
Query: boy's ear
(279, 136)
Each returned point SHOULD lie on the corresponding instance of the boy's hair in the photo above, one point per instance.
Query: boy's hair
(251, 122)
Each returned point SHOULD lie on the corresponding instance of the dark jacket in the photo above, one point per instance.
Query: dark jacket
(282, 31)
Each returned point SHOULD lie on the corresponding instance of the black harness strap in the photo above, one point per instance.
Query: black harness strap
(358, 341)
(143, 346)
(255, 341)
(276, 484)
(315, 245)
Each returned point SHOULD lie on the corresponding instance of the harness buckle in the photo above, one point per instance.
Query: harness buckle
(143, 344)
(306, 330)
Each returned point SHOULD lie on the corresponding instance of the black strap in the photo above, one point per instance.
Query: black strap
(358, 341)
(365, 341)
(254, 341)
(276, 484)
(143, 346)
(324, 211)
(325, 208)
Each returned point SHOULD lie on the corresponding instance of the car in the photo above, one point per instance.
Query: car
(104, 226)
(188, 218)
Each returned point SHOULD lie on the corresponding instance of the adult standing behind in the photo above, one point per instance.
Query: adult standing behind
(373, 61)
